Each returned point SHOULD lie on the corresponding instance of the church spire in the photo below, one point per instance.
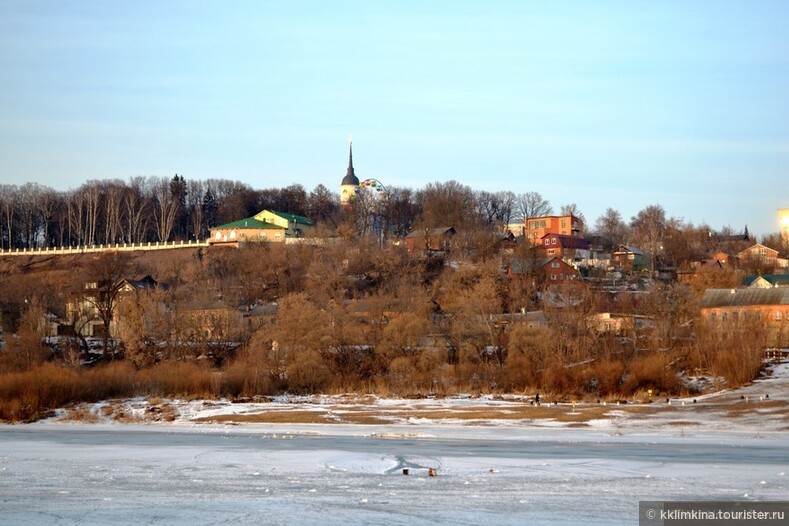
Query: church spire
(350, 183)
(350, 172)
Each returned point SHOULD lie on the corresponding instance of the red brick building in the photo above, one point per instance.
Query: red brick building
(537, 227)
(563, 246)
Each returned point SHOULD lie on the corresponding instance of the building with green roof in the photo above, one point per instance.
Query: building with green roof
(766, 281)
(265, 226)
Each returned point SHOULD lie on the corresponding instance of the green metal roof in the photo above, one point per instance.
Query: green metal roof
(293, 218)
(250, 222)
(772, 279)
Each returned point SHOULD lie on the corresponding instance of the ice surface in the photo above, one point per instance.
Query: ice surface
(535, 472)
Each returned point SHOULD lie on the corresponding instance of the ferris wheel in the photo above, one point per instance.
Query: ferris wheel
(371, 194)
(374, 186)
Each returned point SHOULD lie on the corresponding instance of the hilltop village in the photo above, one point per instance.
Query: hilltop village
(379, 289)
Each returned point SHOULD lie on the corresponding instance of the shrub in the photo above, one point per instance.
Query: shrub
(653, 372)
(179, 379)
(243, 378)
(604, 377)
(307, 373)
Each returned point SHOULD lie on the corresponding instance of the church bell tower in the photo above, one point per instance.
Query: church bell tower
(350, 183)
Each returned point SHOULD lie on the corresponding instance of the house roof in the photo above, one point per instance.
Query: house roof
(630, 249)
(755, 246)
(566, 241)
(775, 280)
(744, 297)
(523, 266)
(293, 218)
(146, 282)
(250, 222)
(600, 240)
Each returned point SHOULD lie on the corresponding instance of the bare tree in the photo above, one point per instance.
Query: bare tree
(113, 209)
(532, 204)
(166, 210)
(75, 203)
(507, 203)
(572, 209)
(611, 226)
(136, 209)
(92, 193)
(105, 275)
(649, 229)
(322, 204)
(60, 220)
(194, 207)
(401, 210)
(28, 198)
(293, 200)
(447, 204)
(487, 206)
(8, 206)
(46, 202)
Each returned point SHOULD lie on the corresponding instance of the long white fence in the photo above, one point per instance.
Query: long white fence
(115, 247)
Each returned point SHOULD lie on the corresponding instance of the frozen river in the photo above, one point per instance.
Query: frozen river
(61, 474)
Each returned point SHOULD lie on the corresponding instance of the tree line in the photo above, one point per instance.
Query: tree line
(164, 209)
(140, 210)
(150, 209)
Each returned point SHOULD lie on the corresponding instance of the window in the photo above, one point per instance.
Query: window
(551, 251)
(547, 241)
(778, 315)
(564, 223)
(553, 277)
(232, 234)
(218, 235)
(554, 264)
(561, 276)
(553, 241)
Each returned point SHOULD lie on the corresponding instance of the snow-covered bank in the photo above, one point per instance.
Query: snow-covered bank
(760, 411)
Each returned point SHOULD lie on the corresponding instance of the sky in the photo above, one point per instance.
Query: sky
(603, 104)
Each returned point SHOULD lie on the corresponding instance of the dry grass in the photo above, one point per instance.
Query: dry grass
(774, 407)
(391, 415)
(80, 413)
(272, 417)
(34, 393)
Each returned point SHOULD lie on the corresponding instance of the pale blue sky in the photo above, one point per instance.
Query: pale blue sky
(620, 104)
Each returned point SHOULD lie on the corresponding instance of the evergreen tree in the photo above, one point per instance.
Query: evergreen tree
(178, 192)
(210, 209)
